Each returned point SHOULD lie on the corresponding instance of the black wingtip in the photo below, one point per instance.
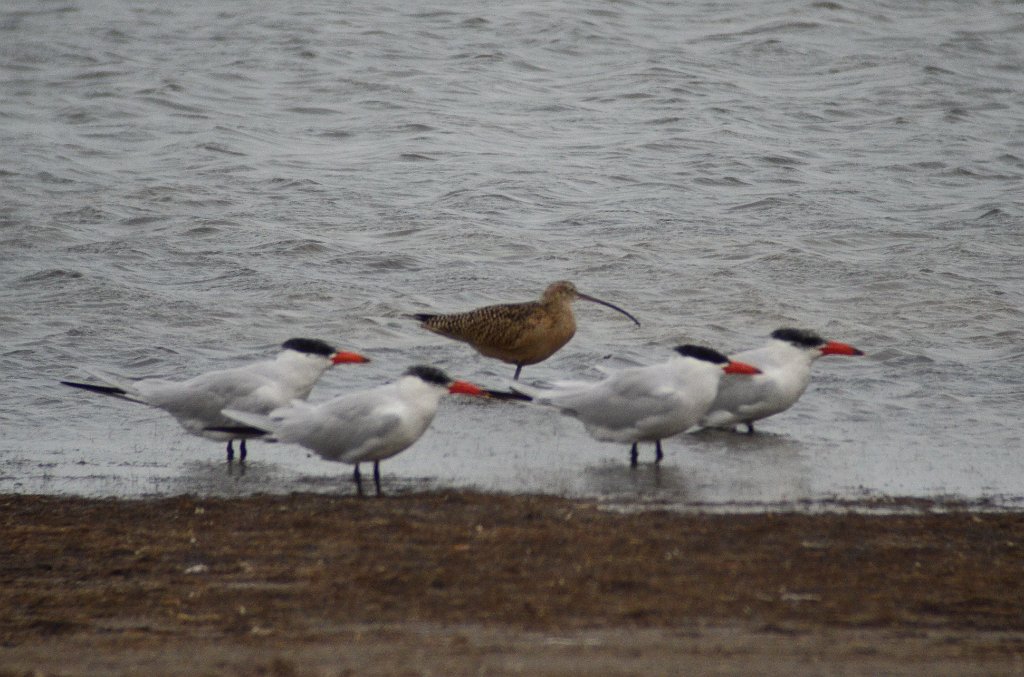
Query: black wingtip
(239, 430)
(93, 388)
(508, 395)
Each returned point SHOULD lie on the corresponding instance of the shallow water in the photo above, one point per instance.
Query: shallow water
(184, 187)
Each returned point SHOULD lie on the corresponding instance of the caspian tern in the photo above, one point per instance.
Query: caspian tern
(368, 425)
(259, 387)
(785, 364)
(644, 404)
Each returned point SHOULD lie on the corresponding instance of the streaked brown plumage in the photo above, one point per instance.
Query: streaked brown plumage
(517, 333)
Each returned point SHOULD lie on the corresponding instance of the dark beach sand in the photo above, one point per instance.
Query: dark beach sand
(470, 583)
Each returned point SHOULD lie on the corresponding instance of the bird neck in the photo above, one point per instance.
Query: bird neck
(302, 368)
(419, 392)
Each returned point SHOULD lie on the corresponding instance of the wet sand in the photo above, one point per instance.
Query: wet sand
(462, 582)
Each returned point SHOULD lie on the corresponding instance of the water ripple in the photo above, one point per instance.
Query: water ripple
(187, 184)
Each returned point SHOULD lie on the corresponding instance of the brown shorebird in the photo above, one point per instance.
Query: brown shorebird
(517, 333)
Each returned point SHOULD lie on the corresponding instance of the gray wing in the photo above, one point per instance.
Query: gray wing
(347, 426)
(197, 402)
(623, 401)
(740, 396)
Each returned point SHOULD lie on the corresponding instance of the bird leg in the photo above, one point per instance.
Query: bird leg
(376, 476)
(632, 455)
(750, 428)
(358, 480)
(231, 451)
(241, 456)
(657, 451)
(519, 368)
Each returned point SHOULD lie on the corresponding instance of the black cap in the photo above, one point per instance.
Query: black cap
(801, 338)
(429, 374)
(310, 346)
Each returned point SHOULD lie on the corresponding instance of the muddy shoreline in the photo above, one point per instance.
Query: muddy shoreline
(322, 579)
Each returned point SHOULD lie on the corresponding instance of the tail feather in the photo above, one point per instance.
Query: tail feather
(482, 325)
(94, 388)
(125, 384)
(114, 387)
(559, 396)
(507, 395)
(528, 392)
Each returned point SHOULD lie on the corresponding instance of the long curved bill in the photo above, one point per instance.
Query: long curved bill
(837, 348)
(735, 367)
(585, 297)
(343, 357)
(466, 388)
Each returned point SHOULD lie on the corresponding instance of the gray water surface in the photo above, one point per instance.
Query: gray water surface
(184, 186)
